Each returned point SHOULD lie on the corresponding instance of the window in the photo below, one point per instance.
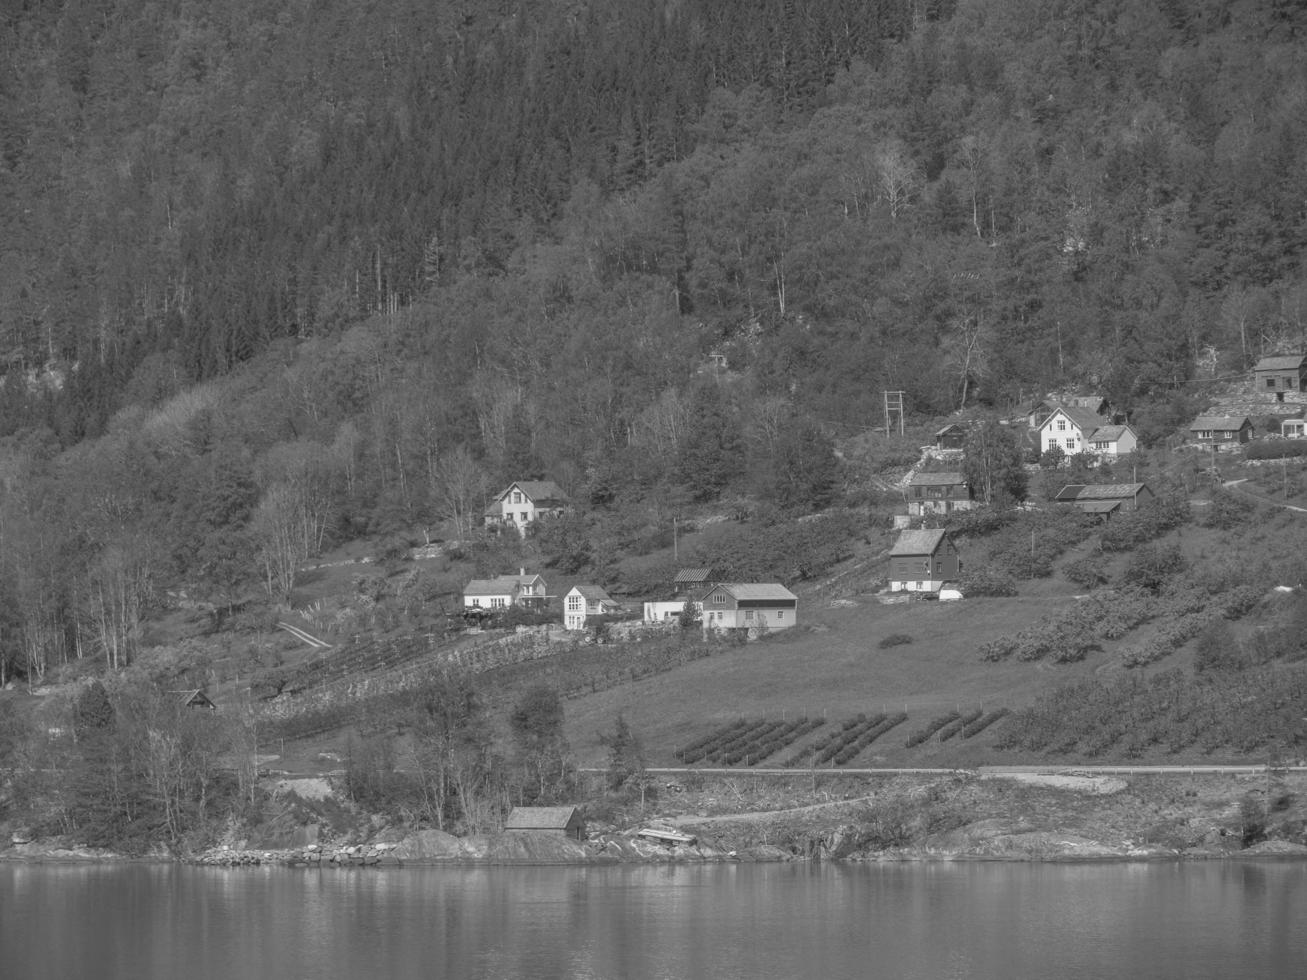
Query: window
(517, 496)
(573, 603)
(1102, 445)
(1061, 425)
(1288, 382)
(1270, 382)
(780, 614)
(499, 602)
(719, 599)
(748, 614)
(476, 603)
(1204, 433)
(524, 517)
(1070, 442)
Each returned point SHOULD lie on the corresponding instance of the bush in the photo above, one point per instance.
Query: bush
(894, 640)
(1089, 572)
(1275, 449)
(988, 582)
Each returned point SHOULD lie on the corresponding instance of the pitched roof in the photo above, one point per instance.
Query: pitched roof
(760, 590)
(503, 585)
(539, 817)
(1099, 506)
(1282, 362)
(592, 593)
(1100, 491)
(1109, 433)
(537, 491)
(1084, 419)
(937, 480)
(1230, 422)
(693, 576)
(918, 542)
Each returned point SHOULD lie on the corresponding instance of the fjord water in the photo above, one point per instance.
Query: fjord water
(1224, 920)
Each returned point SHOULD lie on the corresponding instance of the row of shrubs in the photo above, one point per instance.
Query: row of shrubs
(1241, 712)
(747, 741)
(844, 744)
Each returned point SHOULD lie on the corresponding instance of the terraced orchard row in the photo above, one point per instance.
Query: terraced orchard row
(755, 741)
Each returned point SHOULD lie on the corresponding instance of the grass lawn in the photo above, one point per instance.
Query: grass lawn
(833, 667)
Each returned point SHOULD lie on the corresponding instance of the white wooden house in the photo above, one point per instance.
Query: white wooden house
(503, 591)
(585, 602)
(1081, 430)
(525, 502)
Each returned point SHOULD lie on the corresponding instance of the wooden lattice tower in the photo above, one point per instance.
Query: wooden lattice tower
(893, 410)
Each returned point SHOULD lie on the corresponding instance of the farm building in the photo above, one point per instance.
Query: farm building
(1279, 374)
(1104, 498)
(952, 437)
(922, 561)
(755, 605)
(938, 493)
(1221, 431)
(693, 580)
(564, 821)
(1293, 428)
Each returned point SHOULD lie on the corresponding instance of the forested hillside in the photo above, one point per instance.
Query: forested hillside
(275, 275)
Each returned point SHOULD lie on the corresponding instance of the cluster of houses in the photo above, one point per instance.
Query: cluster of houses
(762, 607)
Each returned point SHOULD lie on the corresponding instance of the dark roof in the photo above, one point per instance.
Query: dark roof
(1085, 419)
(693, 576)
(538, 491)
(1099, 506)
(937, 480)
(1231, 423)
(592, 593)
(539, 817)
(194, 697)
(503, 585)
(918, 542)
(1281, 362)
(1100, 491)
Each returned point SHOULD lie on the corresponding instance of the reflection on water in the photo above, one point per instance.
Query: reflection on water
(1213, 920)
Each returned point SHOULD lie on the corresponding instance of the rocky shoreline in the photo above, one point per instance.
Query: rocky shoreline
(954, 818)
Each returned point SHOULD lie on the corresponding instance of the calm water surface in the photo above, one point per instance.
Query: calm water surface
(1212, 920)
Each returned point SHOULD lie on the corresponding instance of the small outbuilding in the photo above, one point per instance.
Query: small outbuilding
(922, 561)
(1104, 498)
(565, 821)
(1280, 373)
(194, 699)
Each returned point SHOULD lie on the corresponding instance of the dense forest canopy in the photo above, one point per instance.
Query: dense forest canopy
(275, 274)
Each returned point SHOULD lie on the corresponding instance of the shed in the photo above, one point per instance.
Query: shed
(690, 579)
(922, 561)
(952, 436)
(564, 821)
(1280, 373)
(194, 699)
(1104, 498)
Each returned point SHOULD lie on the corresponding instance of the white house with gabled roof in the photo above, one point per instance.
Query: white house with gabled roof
(525, 502)
(1082, 430)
